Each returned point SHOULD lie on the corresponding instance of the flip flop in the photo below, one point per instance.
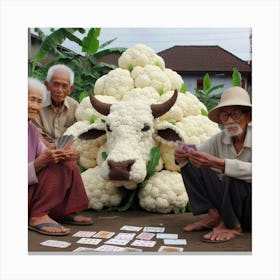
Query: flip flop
(69, 220)
(214, 241)
(38, 228)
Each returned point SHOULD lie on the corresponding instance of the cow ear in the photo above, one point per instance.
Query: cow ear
(167, 132)
(93, 132)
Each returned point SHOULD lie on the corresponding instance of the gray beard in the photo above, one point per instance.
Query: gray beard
(233, 133)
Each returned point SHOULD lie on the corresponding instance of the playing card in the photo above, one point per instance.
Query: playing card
(128, 249)
(115, 241)
(154, 229)
(143, 243)
(84, 249)
(104, 234)
(145, 235)
(84, 233)
(188, 147)
(125, 236)
(175, 242)
(64, 141)
(55, 243)
(109, 248)
(170, 249)
(131, 228)
(167, 236)
(92, 241)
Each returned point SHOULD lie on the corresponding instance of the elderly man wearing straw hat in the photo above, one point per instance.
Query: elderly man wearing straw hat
(218, 175)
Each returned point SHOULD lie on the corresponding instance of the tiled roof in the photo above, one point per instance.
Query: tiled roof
(201, 59)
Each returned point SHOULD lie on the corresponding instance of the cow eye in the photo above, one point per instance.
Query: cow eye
(108, 127)
(146, 128)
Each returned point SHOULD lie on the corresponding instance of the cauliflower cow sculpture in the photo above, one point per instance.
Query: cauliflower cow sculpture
(137, 107)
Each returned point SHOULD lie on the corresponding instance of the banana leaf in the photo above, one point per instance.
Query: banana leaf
(55, 39)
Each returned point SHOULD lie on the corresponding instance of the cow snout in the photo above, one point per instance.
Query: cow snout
(119, 170)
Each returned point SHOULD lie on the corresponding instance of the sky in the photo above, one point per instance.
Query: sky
(235, 40)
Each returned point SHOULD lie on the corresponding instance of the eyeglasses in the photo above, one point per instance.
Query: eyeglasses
(235, 115)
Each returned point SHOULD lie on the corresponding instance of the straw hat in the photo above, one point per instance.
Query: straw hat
(230, 97)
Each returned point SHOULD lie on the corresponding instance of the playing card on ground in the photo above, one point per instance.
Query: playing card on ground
(109, 248)
(92, 241)
(84, 249)
(104, 234)
(131, 228)
(145, 235)
(167, 236)
(115, 241)
(143, 243)
(83, 233)
(125, 236)
(175, 242)
(154, 229)
(128, 249)
(55, 243)
(170, 249)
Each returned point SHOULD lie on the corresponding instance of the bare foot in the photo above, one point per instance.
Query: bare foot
(221, 233)
(82, 219)
(211, 221)
(34, 221)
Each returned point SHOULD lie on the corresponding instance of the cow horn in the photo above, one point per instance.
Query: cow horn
(160, 109)
(100, 107)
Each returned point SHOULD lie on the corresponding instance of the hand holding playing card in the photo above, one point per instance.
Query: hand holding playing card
(202, 159)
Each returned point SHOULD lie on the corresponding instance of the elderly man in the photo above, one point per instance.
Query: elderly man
(218, 175)
(55, 188)
(59, 109)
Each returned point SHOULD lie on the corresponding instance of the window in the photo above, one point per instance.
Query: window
(199, 84)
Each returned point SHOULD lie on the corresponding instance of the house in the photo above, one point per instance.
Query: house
(193, 62)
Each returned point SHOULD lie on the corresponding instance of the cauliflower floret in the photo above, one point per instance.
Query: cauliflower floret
(87, 149)
(151, 76)
(77, 128)
(164, 192)
(85, 110)
(147, 94)
(197, 129)
(186, 105)
(175, 79)
(139, 55)
(101, 193)
(116, 83)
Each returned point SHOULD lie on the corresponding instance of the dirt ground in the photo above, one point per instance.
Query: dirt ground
(113, 221)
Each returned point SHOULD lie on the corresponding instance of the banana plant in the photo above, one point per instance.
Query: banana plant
(236, 77)
(86, 66)
(207, 95)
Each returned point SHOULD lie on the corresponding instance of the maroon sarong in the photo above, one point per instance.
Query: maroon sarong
(59, 191)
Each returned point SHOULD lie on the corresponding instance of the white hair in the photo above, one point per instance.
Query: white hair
(38, 85)
(60, 67)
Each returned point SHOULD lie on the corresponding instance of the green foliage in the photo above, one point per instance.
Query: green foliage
(183, 88)
(236, 77)
(104, 155)
(86, 66)
(207, 95)
(92, 119)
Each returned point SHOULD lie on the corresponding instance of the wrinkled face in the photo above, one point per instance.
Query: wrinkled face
(59, 86)
(234, 119)
(129, 130)
(35, 103)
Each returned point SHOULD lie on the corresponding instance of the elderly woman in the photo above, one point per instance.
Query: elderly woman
(55, 188)
(218, 176)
